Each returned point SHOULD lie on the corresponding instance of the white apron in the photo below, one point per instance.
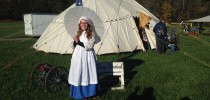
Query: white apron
(83, 64)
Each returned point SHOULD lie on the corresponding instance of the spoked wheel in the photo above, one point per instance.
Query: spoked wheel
(38, 75)
(57, 79)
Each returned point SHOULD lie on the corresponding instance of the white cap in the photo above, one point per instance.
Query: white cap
(83, 17)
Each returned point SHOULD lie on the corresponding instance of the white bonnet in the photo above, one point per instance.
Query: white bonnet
(83, 17)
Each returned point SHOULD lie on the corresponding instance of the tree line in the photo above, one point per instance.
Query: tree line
(170, 10)
(177, 10)
(14, 9)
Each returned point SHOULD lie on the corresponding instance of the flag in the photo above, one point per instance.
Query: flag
(78, 2)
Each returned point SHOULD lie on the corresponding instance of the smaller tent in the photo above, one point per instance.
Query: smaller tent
(36, 23)
(199, 22)
(203, 19)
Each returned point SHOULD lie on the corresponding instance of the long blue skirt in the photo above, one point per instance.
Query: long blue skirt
(80, 92)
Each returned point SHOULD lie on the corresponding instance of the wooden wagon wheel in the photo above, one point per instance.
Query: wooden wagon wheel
(38, 75)
(57, 79)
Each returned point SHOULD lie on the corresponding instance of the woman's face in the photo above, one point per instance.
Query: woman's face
(83, 24)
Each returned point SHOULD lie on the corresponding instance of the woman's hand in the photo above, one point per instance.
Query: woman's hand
(76, 38)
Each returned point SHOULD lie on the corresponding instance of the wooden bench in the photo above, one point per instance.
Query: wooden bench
(114, 69)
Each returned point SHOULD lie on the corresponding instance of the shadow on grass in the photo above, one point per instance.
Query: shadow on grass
(129, 71)
(185, 98)
(129, 65)
(147, 94)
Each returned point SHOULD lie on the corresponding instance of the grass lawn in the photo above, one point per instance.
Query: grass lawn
(184, 75)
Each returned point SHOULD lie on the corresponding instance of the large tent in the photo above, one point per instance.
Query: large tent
(137, 10)
(121, 32)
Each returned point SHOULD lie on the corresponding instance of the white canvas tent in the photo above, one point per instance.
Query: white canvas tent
(35, 24)
(200, 21)
(203, 19)
(121, 33)
(135, 8)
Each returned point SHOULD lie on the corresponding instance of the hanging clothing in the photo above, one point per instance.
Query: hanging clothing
(143, 19)
(83, 74)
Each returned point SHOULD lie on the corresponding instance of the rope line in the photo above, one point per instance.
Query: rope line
(22, 30)
(200, 40)
(198, 60)
(18, 57)
(10, 35)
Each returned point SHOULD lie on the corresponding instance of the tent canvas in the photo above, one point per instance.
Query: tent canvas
(135, 8)
(121, 33)
(203, 19)
(36, 23)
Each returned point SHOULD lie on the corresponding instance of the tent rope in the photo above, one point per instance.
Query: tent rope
(18, 57)
(55, 34)
(22, 30)
(10, 35)
(200, 40)
(198, 60)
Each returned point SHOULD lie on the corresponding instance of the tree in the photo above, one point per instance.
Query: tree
(171, 10)
(166, 9)
(5, 9)
(198, 9)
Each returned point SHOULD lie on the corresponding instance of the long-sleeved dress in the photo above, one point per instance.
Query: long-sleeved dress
(83, 74)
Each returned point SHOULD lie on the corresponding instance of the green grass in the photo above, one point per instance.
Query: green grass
(148, 76)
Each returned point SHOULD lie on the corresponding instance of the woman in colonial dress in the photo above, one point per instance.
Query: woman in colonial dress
(83, 74)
